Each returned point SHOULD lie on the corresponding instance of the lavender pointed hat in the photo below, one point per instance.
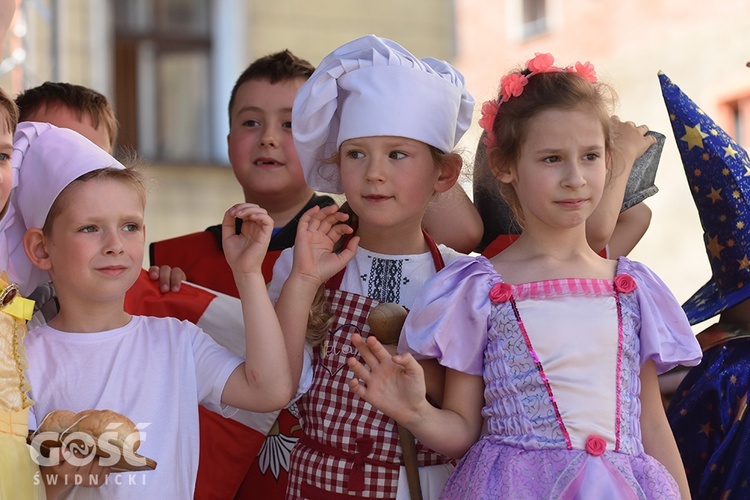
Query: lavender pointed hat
(45, 160)
(373, 86)
(717, 171)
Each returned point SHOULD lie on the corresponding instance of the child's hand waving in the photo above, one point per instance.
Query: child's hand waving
(393, 384)
(245, 251)
(317, 233)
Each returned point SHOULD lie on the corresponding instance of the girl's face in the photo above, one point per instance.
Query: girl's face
(388, 181)
(561, 169)
(95, 246)
(6, 173)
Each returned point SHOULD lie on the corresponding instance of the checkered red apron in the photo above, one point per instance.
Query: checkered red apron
(347, 445)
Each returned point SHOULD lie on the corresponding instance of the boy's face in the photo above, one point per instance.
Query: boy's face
(261, 149)
(6, 175)
(95, 246)
(65, 117)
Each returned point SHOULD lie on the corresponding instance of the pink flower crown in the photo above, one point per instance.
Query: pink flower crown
(512, 84)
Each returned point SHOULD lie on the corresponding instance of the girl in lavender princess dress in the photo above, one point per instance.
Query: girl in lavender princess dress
(555, 349)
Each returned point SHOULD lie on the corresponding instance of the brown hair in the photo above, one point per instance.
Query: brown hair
(275, 68)
(82, 100)
(321, 316)
(554, 90)
(130, 175)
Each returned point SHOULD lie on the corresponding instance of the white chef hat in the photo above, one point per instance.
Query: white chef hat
(374, 87)
(51, 158)
(45, 160)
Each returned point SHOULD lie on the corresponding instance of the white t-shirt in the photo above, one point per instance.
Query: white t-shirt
(155, 371)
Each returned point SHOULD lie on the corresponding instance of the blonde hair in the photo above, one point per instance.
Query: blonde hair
(10, 118)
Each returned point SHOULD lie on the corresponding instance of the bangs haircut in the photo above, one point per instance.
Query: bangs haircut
(10, 118)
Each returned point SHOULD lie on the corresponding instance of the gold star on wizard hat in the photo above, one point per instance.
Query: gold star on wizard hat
(718, 171)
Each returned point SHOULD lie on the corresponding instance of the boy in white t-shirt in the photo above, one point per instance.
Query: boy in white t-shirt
(84, 214)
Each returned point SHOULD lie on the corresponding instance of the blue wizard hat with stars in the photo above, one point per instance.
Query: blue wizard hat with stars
(718, 171)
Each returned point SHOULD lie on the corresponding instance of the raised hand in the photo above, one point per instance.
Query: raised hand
(245, 251)
(631, 142)
(317, 233)
(394, 385)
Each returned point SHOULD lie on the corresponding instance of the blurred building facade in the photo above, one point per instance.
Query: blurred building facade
(169, 65)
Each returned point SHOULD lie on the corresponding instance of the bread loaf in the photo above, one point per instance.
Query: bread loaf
(119, 429)
(58, 421)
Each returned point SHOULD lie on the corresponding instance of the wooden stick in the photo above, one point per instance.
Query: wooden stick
(409, 452)
(385, 321)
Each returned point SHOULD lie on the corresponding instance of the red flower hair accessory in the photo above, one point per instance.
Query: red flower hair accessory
(585, 70)
(541, 63)
(489, 112)
(512, 84)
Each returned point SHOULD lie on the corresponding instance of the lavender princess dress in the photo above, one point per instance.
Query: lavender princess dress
(560, 361)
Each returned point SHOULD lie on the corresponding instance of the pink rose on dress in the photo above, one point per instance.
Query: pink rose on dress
(595, 445)
(511, 85)
(586, 70)
(502, 292)
(624, 283)
(540, 63)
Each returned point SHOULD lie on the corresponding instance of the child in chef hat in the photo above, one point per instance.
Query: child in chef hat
(378, 124)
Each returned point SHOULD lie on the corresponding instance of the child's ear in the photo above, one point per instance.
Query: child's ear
(449, 172)
(36, 251)
(501, 171)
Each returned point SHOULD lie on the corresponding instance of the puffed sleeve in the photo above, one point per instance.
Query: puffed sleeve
(450, 317)
(666, 336)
